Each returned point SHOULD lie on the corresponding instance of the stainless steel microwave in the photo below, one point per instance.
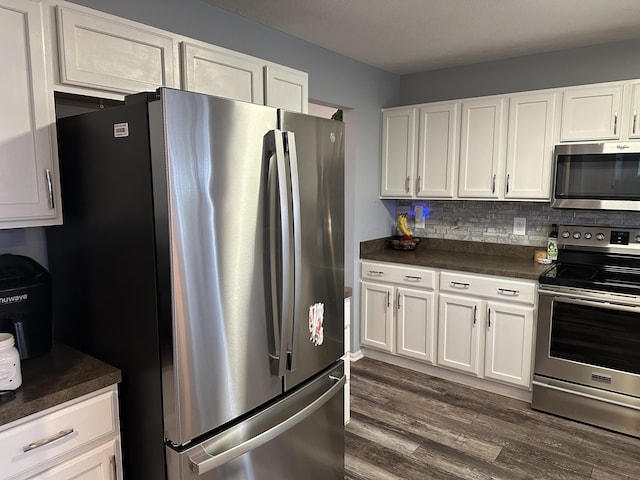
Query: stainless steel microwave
(599, 176)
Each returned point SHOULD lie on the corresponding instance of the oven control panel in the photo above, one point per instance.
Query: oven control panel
(594, 237)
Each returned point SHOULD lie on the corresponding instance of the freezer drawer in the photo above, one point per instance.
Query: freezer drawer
(300, 436)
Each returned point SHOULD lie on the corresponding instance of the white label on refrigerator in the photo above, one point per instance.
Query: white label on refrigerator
(316, 319)
(120, 130)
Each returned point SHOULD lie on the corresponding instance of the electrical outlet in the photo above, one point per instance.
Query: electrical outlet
(519, 226)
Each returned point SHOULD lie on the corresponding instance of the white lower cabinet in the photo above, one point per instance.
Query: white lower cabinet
(99, 463)
(459, 333)
(485, 326)
(398, 310)
(79, 439)
(415, 327)
(508, 344)
(377, 316)
(457, 325)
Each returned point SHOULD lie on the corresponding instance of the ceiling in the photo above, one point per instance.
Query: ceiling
(409, 36)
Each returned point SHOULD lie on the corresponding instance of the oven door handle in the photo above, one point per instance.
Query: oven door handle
(589, 302)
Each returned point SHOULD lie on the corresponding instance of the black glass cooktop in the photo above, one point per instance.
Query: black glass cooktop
(613, 278)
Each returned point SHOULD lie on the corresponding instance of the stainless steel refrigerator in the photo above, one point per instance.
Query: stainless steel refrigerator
(202, 254)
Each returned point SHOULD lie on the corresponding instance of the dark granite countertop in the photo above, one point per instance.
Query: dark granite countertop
(476, 257)
(57, 377)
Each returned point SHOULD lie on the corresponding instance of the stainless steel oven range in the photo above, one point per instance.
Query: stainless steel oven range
(587, 359)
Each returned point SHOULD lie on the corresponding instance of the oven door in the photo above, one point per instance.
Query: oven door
(589, 339)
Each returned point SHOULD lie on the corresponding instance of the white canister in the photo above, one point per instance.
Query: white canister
(10, 375)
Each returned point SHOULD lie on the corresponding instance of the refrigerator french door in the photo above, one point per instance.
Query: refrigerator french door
(202, 253)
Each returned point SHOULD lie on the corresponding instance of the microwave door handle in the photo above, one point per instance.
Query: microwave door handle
(291, 154)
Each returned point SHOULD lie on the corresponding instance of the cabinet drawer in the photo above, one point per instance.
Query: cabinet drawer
(400, 274)
(35, 442)
(490, 287)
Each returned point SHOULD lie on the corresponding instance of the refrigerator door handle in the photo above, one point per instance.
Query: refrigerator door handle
(202, 462)
(292, 156)
(281, 258)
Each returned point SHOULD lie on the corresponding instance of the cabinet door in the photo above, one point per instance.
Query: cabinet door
(29, 192)
(591, 113)
(377, 316)
(221, 72)
(415, 323)
(509, 338)
(482, 140)
(101, 463)
(398, 152)
(459, 333)
(634, 124)
(286, 88)
(105, 54)
(530, 143)
(438, 129)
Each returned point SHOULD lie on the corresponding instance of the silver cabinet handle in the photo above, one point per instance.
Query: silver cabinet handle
(412, 278)
(376, 273)
(475, 315)
(114, 465)
(418, 184)
(406, 183)
(203, 461)
(47, 174)
(635, 118)
(388, 299)
(493, 184)
(507, 187)
(489, 318)
(615, 123)
(459, 285)
(398, 302)
(48, 440)
(509, 292)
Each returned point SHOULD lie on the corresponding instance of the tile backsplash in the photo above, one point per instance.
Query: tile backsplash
(487, 221)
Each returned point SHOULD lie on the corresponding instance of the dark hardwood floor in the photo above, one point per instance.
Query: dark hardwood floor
(407, 425)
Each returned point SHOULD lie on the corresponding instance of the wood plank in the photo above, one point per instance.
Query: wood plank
(408, 425)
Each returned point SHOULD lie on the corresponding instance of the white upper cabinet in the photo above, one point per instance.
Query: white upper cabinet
(221, 72)
(286, 88)
(29, 184)
(101, 52)
(482, 142)
(530, 141)
(398, 152)
(438, 132)
(591, 113)
(634, 123)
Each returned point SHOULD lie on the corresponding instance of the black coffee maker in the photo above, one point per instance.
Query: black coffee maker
(25, 304)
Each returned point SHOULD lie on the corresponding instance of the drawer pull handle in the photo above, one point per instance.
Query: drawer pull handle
(412, 278)
(507, 291)
(459, 285)
(48, 440)
(376, 273)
